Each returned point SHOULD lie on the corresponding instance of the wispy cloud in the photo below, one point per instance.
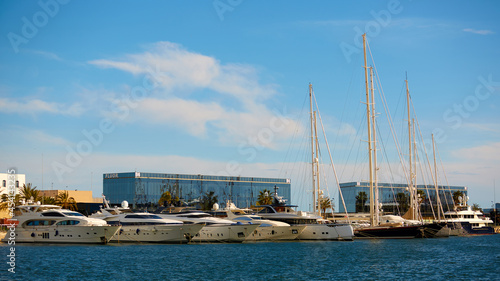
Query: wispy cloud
(36, 106)
(228, 98)
(45, 54)
(476, 31)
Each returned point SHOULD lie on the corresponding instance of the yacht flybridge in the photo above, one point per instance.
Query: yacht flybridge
(52, 224)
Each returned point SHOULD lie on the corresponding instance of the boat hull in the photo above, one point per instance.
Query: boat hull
(274, 233)
(382, 232)
(327, 232)
(158, 233)
(64, 234)
(224, 233)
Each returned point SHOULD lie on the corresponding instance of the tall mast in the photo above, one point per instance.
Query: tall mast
(316, 165)
(313, 174)
(410, 148)
(416, 201)
(372, 209)
(438, 198)
(374, 139)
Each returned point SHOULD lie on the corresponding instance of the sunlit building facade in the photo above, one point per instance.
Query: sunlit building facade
(143, 189)
(390, 195)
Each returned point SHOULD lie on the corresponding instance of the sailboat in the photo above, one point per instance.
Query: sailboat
(409, 227)
(316, 228)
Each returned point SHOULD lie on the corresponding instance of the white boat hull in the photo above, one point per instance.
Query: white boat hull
(327, 232)
(273, 233)
(157, 233)
(225, 233)
(63, 234)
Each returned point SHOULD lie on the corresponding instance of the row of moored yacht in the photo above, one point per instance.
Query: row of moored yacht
(38, 223)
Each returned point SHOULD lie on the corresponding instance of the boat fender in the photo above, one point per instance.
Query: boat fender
(137, 231)
(121, 230)
(32, 234)
(57, 233)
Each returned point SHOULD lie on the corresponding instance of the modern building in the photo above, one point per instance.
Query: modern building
(392, 196)
(8, 181)
(144, 189)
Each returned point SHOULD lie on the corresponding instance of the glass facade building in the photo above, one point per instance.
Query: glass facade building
(391, 195)
(141, 189)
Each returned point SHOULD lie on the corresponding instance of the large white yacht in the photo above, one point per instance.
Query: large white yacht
(316, 228)
(146, 227)
(215, 229)
(268, 230)
(465, 221)
(52, 224)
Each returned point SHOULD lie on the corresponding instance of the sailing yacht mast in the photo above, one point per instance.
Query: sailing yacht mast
(374, 139)
(410, 148)
(370, 167)
(313, 149)
(318, 192)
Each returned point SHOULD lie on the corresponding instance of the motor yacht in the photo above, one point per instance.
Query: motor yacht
(53, 224)
(146, 227)
(465, 221)
(215, 229)
(268, 230)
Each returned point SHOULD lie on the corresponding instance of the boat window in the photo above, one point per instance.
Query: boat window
(74, 214)
(143, 217)
(39, 222)
(68, 222)
(52, 214)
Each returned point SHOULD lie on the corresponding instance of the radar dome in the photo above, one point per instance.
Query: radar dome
(124, 204)
(215, 207)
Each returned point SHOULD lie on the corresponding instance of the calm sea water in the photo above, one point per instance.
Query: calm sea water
(458, 258)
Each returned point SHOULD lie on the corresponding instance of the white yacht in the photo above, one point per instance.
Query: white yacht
(146, 227)
(215, 229)
(268, 230)
(52, 224)
(315, 227)
(465, 221)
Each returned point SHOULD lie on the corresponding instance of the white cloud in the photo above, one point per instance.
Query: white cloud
(476, 31)
(36, 106)
(228, 98)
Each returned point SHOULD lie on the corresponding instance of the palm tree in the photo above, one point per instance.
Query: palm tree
(165, 199)
(361, 199)
(30, 193)
(264, 198)
(208, 200)
(325, 203)
(48, 200)
(456, 195)
(402, 199)
(6, 202)
(64, 200)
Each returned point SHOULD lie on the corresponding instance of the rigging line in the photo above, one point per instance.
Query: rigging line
(425, 184)
(427, 156)
(388, 115)
(389, 168)
(446, 179)
(331, 161)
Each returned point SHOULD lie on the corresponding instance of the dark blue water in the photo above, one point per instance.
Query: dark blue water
(457, 258)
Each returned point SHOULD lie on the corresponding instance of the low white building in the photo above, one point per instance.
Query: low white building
(9, 181)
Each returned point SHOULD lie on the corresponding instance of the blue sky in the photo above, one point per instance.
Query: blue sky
(220, 87)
